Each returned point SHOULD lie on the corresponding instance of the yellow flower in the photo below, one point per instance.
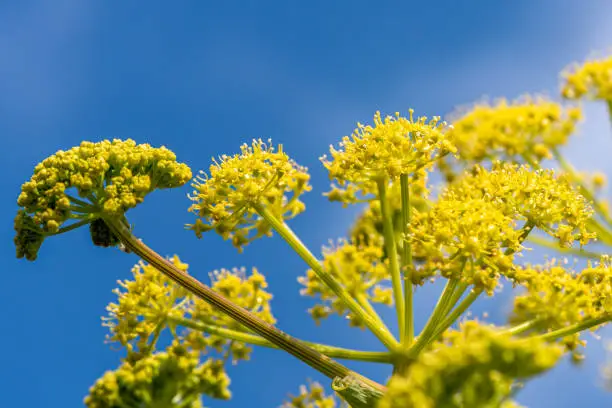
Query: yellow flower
(361, 271)
(151, 303)
(559, 297)
(467, 239)
(143, 306)
(539, 198)
(174, 379)
(527, 128)
(593, 79)
(110, 177)
(473, 367)
(261, 175)
(393, 146)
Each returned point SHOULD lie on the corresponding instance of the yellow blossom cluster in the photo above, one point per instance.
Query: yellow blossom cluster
(593, 79)
(469, 239)
(151, 303)
(361, 271)
(525, 129)
(474, 367)
(393, 146)
(109, 177)
(539, 198)
(312, 396)
(259, 175)
(172, 379)
(557, 297)
(144, 306)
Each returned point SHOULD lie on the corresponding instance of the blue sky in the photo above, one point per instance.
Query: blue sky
(201, 78)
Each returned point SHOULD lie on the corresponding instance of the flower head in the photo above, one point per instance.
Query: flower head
(540, 198)
(144, 306)
(393, 146)
(259, 175)
(593, 79)
(558, 297)
(467, 239)
(525, 129)
(88, 181)
(174, 379)
(151, 303)
(360, 269)
(473, 367)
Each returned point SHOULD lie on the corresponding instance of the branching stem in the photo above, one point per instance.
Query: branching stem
(379, 330)
(295, 347)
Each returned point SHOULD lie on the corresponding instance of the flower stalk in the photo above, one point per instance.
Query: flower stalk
(329, 351)
(408, 336)
(391, 248)
(298, 246)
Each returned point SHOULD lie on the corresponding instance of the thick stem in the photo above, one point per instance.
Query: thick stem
(330, 351)
(313, 358)
(574, 328)
(408, 337)
(429, 331)
(379, 330)
(391, 249)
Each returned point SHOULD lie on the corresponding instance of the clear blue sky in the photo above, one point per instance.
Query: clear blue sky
(203, 79)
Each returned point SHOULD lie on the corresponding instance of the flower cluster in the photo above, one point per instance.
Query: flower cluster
(475, 367)
(557, 297)
(393, 146)
(467, 239)
(538, 198)
(593, 79)
(145, 305)
(173, 379)
(259, 175)
(526, 128)
(359, 269)
(312, 396)
(150, 303)
(110, 177)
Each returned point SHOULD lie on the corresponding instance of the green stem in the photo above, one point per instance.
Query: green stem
(408, 337)
(459, 310)
(574, 328)
(365, 303)
(522, 328)
(391, 249)
(295, 347)
(89, 206)
(330, 351)
(430, 329)
(71, 227)
(570, 251)
(583, 189)
(298, 246)
(459, 291)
